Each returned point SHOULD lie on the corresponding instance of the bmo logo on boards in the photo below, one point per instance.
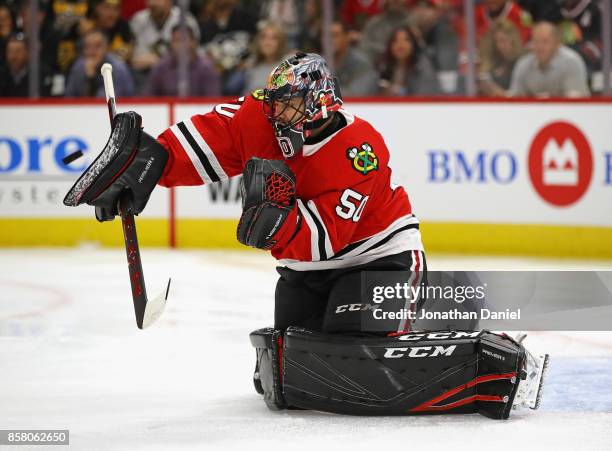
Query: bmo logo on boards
(560, 163)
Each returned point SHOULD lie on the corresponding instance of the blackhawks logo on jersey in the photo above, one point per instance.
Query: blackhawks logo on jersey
(363, 159)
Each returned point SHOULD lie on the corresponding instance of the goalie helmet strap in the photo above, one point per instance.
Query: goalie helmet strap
(338, 121)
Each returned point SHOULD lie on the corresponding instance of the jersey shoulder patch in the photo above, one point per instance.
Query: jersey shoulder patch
(362, 158)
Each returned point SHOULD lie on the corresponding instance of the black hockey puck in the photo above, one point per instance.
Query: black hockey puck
(73, 156)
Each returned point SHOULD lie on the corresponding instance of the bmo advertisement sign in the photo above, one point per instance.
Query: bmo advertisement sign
(561, 163)
(514, 163)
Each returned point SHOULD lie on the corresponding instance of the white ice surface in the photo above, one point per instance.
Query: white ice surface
(71, 357)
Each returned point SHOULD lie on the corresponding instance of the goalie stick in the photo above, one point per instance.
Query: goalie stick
(147, 311)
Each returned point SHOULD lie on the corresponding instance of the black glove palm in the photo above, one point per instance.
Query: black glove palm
(268, 198)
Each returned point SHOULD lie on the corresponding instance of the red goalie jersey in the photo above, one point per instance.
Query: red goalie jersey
(351, 212)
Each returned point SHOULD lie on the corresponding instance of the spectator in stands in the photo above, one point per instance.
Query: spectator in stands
(227, 31)
(581, 30)
(353, 68)
(311, 27)
(222, 17)
(355, 13)
(48, 37)
(500, 49)
(152, 29)
(491, 11)
(270, 48)
(7, 26)
(69, 19)
(378, 29)
(584, 17)
(14, 75)
(406, 70)
(436, 35)
(542, 11)
(551, 69)
(131, 7)
(85, 80)
(65, 14)
(107, 17)
(285, 13)
(203, 77)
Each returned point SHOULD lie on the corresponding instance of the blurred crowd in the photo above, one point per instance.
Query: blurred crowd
(538, 48)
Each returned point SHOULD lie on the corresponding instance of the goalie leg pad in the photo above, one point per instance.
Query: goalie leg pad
(416, 373)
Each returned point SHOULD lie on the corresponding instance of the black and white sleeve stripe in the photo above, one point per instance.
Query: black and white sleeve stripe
(320, 244)
(201, 155)
(380, 239)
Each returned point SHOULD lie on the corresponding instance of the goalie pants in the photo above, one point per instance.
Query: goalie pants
(332, 300)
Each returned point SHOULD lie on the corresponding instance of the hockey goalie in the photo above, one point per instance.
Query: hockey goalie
(317, 193)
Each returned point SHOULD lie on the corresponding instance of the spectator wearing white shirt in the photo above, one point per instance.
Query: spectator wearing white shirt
(550, 69)
(152, 29)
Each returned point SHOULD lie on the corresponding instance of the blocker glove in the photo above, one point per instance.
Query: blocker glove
(269, 216)
(130, 165)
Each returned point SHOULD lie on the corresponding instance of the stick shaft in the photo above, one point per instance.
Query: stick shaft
(132, 250)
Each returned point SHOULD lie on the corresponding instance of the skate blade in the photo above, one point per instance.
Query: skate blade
(543, 364)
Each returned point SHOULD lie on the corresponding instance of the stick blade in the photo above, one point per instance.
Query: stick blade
(154, 308)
